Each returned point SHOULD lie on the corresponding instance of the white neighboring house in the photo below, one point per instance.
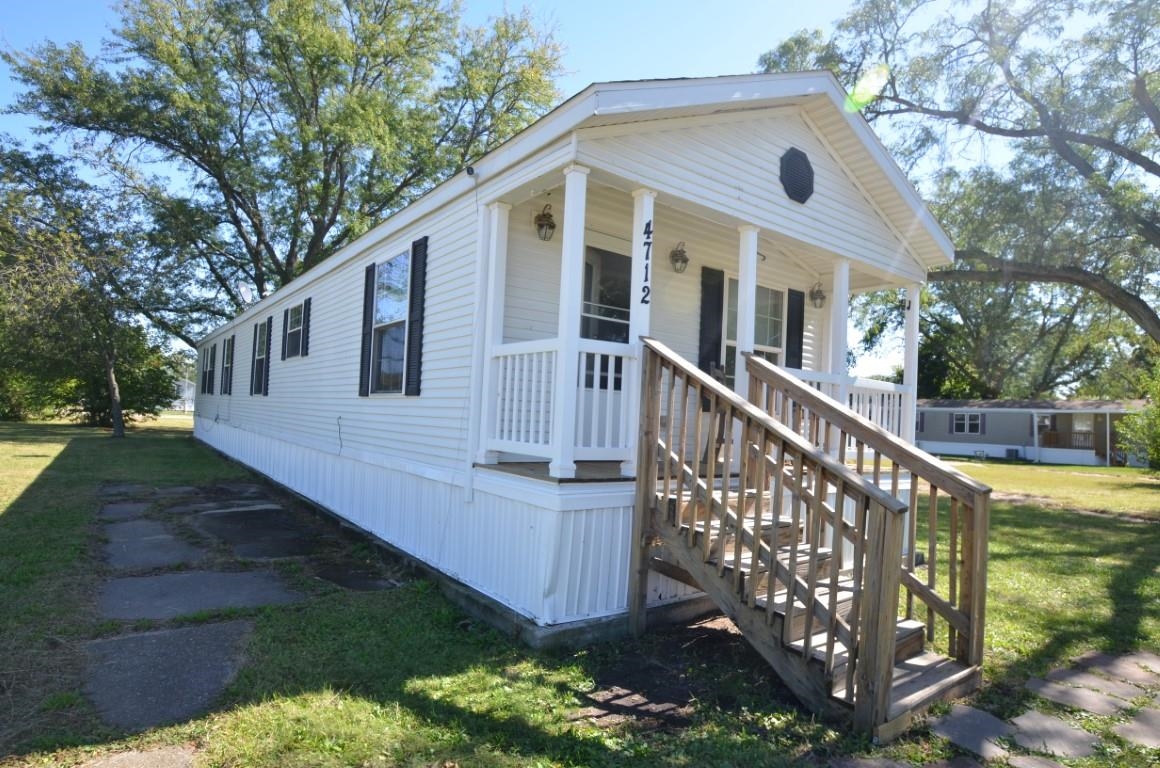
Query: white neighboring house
(1044, 431)
(185, 393)
(461, 382)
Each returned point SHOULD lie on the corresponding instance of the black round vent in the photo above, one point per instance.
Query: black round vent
(797, 175)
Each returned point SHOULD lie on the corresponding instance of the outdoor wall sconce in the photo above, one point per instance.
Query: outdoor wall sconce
(545, 224)
(679, 258)
(817, 296)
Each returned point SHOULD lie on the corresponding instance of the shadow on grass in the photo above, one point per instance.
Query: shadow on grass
(1068, 583)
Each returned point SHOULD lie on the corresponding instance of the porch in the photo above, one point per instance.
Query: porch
(566, 306)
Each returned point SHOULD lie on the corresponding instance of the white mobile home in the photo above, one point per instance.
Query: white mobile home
(463, 381)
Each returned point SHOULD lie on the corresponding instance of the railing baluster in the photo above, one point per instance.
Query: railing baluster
(931, 554)
(726, 479)
(712, 466)
(744, 479)
(682, 454)
(953, 567)
(797, 497)
(695, 502)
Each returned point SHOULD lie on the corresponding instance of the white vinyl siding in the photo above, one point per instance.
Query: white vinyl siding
(732, 163)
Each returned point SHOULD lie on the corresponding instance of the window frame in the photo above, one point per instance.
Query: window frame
(379, 329)
(227, 382)
(773, 354)
(208, 364)
(966, 420)
(260, 363)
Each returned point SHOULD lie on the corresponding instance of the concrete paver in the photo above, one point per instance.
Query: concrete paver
(961, 761)
(1122, 667)
(144, 680)
(1144, 727)
(1031, 761)
(1078, 677)
(973, 730)
(1081, 698)
(864, 762)
(1044, 733)
(125, 489)
(123, 510)
(160, 757)
(170, 595)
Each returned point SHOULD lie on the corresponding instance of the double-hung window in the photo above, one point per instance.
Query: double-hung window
(394, 297)
(227, 386)
(208, 362)
(767, 327)
(389, 350)
(296, 330)
(260, 365)
(967, 424)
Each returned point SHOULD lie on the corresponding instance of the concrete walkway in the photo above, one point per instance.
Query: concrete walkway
(172, 553)
(1096, 684)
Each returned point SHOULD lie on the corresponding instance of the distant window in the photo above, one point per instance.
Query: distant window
(208, 361)
(967, 424)
(227, 386)
(389, 347)
(296, 330)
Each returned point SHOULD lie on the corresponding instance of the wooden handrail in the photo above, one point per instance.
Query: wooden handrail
(894, 448)
(799, 443)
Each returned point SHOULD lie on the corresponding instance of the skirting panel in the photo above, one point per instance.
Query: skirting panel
(548, 565)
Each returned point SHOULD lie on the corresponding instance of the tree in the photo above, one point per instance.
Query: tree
(1141, 431)
(285, 128)
(1069, 87)
(67, 338)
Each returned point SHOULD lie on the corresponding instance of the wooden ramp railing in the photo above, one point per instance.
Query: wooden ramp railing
(803, 552)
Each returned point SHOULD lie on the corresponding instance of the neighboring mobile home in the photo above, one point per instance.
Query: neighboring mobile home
(462, 381)
(1044, 431)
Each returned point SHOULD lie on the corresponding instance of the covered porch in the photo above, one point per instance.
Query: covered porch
(568, 299)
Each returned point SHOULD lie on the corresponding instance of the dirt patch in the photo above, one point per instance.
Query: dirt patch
(659, 683)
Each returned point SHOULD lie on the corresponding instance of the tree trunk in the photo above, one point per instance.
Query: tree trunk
(115, 413)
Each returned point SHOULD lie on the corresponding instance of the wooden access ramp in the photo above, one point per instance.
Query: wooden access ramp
(814, 557)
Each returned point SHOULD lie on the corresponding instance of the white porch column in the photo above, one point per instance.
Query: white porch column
(1035, 434)
(640, 316)
(910, 363)
(497, 245)
(568, 334)
(746, 304)
(839, 316)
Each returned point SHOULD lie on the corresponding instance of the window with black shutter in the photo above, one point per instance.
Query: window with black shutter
(393, 309)
(260, 366)
(296, 330)
(227, 385)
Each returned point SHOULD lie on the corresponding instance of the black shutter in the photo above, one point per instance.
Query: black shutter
(229, 383)
(795, 326)
(254, 361)
(364, 374)
(712, 308)
(269, 339)
(305, 327)
(415, 317)
(285, 329)
(951, 423)
(982, 423)
(212, 366)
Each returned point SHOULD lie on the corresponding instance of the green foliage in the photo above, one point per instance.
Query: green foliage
(292, 126)
(1141, 431)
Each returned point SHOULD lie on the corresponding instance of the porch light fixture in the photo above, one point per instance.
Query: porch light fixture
(545, 224)
(679, 258)
(817, 296)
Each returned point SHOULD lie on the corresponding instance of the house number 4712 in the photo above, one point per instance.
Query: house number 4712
(645, 289)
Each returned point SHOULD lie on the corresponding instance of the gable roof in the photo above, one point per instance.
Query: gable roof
(817, 93)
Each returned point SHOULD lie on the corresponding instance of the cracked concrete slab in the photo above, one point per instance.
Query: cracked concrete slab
(171, 595)
(123, 510)
(142, 544)
(260, 534)
(1144, 727)
(154, 678)
(1081, 698)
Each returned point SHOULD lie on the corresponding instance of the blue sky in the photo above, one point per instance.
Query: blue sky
(603, 39)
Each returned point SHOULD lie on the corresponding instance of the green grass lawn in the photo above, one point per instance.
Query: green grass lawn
(1116, 490)
(401, 678)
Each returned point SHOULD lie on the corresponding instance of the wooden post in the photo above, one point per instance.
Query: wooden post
(973, 581)
(876, 659)
(646, 491)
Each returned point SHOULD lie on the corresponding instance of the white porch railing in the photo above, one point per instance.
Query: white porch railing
(880, 402)
(523, 405)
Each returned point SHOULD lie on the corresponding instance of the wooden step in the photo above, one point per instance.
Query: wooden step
(918, 683)
(844, 601)
(906, 634)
